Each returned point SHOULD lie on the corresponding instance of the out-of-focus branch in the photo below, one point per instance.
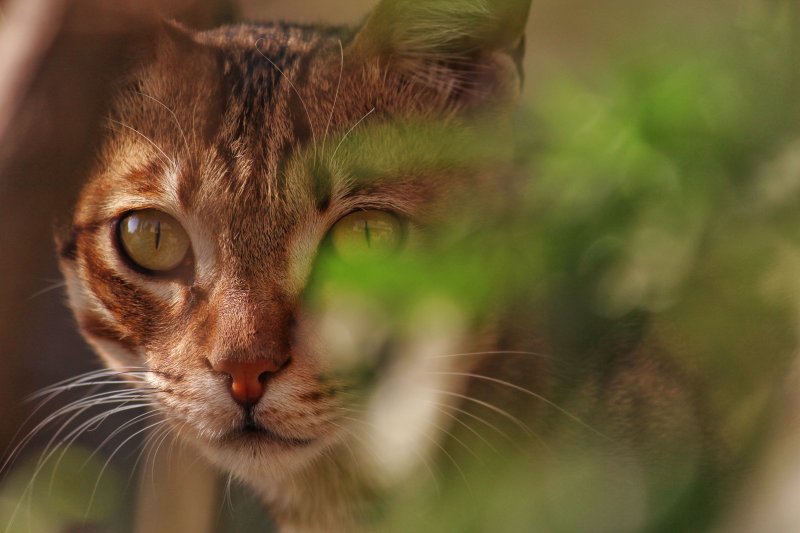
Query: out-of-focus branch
(59, 57)
(24, 43)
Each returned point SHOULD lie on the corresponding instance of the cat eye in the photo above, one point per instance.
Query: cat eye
(153, 240)
(367, 234)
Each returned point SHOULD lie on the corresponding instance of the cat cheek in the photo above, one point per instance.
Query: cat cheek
(99, 327)
(116, 356)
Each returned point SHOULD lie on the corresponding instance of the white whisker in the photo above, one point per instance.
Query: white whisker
(156, 449)
(149, 140)
(336, 94)
(78, 407)
(458, 440)
(74, 380)
(469, 428)
(333, 157)
(174, 118)
(108, 461)
(48, 454)
(47, 289)
(88, 425)
(123, 427)
(525, 391)
(227, 499)
(97, 449)
(380, 459)
(519, 423)
(145, 451)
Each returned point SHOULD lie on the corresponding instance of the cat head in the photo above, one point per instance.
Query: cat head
(253, 181)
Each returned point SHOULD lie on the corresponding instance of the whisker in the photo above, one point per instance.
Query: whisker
(108, 461)
(75, 379)
(482, 421)
(101, 398)
(92, 422)
(45, 290)
(193, 127)
(123, 427)
(525, 391)
(380, 459)
(179, 444)
(139, 455)
(336, 94)
(149, 140)
(458, 440)
(10, 455)
(174, 118)
(333, 157)
(156, 449)
(93, 380)
(147, 444)
(27, 491)
(80, 406)
(97, 449)
(419, 455)
(70, 383)
(88, 425)
(227, 497)
(348, 432)
(147, 448)
(469, 428)
(55, 392)
(519, 423)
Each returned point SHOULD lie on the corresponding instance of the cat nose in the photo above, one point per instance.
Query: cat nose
(247, 378)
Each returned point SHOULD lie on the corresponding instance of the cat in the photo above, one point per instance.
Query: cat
(236, 253)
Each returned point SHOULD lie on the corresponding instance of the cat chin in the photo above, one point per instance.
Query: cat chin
(261, 460)
(263, 452)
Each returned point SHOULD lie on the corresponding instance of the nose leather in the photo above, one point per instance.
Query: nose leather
(247, 378)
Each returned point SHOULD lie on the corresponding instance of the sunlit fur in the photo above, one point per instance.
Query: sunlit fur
(247, 136)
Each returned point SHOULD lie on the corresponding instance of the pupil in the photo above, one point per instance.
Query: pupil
(367, 234)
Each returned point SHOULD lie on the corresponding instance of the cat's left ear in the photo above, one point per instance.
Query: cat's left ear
(481, 43)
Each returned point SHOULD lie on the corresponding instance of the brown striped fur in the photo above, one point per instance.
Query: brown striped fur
(250, 136)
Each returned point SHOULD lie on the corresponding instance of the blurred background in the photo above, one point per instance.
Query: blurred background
(663, 144)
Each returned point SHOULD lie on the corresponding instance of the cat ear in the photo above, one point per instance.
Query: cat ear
(487, 35)
(172, 42)
(176, 66)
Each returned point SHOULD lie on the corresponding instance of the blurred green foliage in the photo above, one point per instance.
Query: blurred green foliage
(73, 490)
(667, 191)
(665, 195)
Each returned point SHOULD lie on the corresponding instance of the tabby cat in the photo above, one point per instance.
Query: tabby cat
(270, 246)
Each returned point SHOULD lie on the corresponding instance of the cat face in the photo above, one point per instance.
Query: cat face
(242, 163)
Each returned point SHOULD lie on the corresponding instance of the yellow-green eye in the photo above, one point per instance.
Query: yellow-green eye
(367, 234)
(153, 240)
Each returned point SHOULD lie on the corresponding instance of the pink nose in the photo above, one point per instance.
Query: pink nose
(247, 378)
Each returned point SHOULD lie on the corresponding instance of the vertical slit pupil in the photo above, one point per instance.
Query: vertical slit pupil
(367, 235)
(158, 233)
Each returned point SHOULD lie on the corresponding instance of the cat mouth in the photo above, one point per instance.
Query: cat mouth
(252, 431)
